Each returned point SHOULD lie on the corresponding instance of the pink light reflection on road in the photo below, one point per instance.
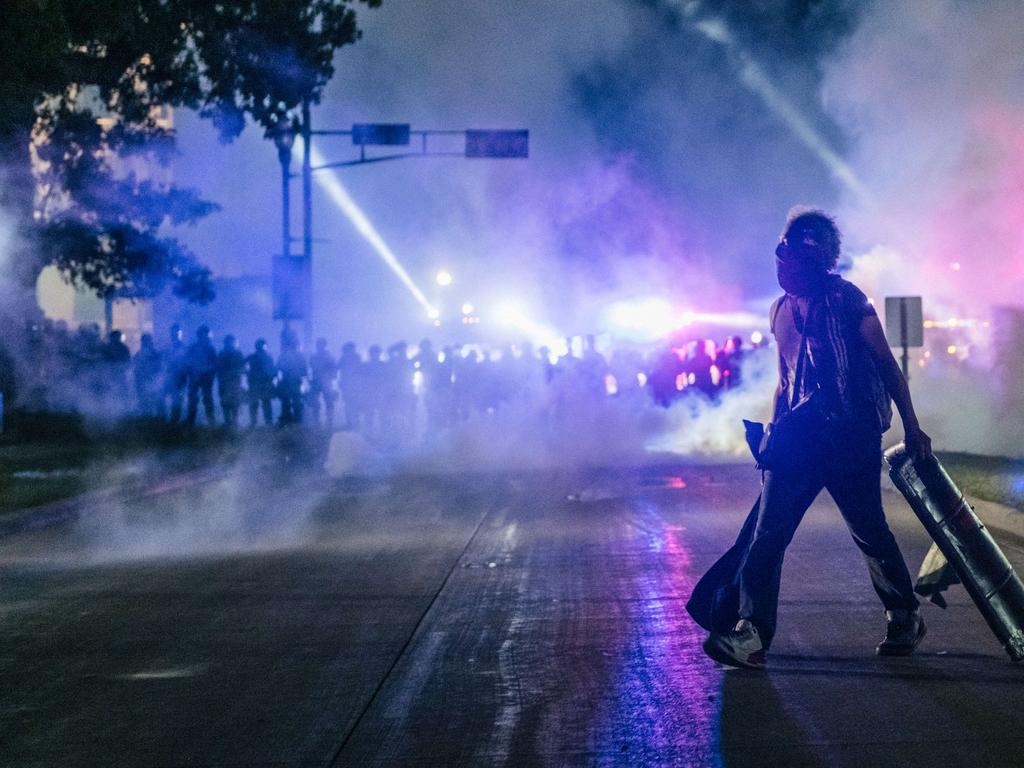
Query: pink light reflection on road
(668, 693)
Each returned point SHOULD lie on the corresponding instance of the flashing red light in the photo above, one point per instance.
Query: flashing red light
(675, 483)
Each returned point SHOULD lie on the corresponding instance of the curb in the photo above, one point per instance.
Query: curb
(999, 517)
(67, 510)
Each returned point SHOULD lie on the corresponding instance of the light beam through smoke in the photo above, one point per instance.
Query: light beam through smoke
(330, 183)
(753, 77)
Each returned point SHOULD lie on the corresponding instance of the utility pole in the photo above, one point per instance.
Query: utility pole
(307, 221)
(284, 138)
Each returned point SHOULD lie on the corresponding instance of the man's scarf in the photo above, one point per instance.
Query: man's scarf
(829, 341)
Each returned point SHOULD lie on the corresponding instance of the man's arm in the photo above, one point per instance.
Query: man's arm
(919, 445)
(779, 388)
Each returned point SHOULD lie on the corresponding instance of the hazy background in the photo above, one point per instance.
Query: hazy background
(653, 168)
(667, 142)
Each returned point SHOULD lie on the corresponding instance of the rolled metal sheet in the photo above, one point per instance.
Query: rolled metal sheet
(950, 520)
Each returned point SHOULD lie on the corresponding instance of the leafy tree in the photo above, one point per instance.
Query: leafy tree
(100, 220)
(71, 63)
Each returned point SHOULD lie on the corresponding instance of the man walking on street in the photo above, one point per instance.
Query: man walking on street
(832, 404)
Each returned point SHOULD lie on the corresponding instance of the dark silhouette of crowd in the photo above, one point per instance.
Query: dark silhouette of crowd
(389, 394)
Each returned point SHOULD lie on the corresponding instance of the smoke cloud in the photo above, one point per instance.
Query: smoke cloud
(932, 96)
(654, 168)
(560, 426)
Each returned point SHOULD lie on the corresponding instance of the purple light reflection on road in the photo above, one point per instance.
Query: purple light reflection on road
(668, 693)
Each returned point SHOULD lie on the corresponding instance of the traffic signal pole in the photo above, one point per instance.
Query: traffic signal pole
(307, 220)
(478, 144)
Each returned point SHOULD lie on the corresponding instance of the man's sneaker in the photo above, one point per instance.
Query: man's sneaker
(739, 648)
(903, 633)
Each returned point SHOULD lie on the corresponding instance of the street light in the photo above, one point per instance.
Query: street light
(284, 134)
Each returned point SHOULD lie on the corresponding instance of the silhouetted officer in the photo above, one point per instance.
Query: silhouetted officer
(350, 384)
(323, 370)
(374, 376)
(148, 367)
(259, 373)
(118, 360)
(436, 385)
(88, 358)
(592, 368)
(201, 360)
(729, 360)
(697, 367)
(175, 373)
(292, 365)
(544, 362)
(230, 366)
(466, 376)
(664, 375)
(400, 394)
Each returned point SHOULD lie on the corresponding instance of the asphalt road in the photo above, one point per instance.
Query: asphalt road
(470, 620)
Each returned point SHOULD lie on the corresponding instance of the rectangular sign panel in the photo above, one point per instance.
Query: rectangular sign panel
(290, 279)
(904, 321)
(381, 134)
(508, 144)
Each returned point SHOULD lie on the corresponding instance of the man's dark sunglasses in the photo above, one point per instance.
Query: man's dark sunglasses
(797, 245)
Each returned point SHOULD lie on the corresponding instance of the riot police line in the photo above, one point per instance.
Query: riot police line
(385, 392)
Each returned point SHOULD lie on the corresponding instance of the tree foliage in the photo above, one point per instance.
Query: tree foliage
(83, 87)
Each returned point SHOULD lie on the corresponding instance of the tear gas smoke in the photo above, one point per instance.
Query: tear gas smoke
(664, 160)
(626, 188)
(754, 76)
(942, 154)
(932, 94)
(142, 510)
(563, 426)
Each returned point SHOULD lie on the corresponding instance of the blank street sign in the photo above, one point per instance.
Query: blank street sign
(290, 279)
(904, 322)
(380, 134)
(497, 143)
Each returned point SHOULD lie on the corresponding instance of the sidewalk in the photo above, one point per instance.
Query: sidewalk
(66, 510)
(167, 470)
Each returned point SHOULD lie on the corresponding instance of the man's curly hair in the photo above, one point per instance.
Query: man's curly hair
(825, 230)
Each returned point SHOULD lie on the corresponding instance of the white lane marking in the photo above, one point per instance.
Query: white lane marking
(172, 673)
(422, 666)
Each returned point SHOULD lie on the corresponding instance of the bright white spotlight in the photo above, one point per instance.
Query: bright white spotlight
(511, 315)
(433, 313)
(643, 319)
(468, 309)
(443, 277)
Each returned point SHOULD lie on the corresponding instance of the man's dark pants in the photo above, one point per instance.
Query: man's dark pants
(852, 476)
